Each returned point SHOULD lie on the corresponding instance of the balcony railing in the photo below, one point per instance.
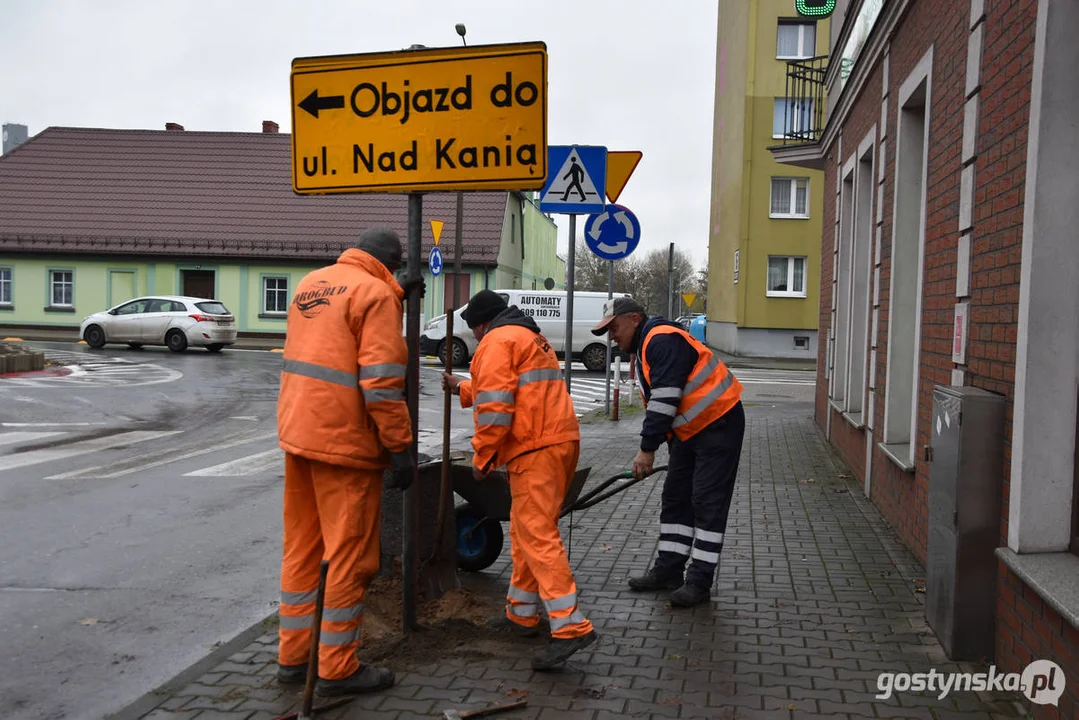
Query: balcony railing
(803, 117)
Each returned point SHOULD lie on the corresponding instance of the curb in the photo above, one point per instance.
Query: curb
(163, 693)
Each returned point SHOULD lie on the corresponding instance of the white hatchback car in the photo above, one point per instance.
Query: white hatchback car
(173, 321)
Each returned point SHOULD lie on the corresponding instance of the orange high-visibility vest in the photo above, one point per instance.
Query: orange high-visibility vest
(708, 394)
(342, 395)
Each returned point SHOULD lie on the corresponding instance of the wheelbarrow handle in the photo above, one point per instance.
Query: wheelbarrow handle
(597, 495)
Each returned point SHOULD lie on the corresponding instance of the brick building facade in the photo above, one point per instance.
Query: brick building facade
(950, 258)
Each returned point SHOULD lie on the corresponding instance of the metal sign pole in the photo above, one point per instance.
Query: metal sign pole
(569, 296)
(610, 294)
(411, 499)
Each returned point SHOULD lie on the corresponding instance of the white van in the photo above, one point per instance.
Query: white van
(548, 309)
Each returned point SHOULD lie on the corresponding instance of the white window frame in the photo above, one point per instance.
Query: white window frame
(7, 284)
(792, 214)
(790, 276)
(802, 110)
(265, 289)
(801, 25)
(53, 283)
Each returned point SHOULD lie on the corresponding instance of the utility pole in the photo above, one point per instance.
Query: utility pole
(670, 282)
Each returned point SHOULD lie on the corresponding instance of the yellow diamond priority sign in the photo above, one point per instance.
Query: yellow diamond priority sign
(465, 118)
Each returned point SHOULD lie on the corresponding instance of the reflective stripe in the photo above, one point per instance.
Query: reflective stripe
(674, 547)
(487, 396)
(674, 529)
(662, 408)
(382, 394)
(573, 618)
(494, 419)
(345, 614)
(539, 376)
(298, 598)
(710, 557)
(700, 377)
(296, 622)
(702, 404)
(336, 639)
(516, 593)
(561, 603)
(383, 370)
(666, 392)
(707, 536)
(320, 372)
(523, 611)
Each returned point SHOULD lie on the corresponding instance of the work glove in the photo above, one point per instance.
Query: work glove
(407, 285)
(402, 468)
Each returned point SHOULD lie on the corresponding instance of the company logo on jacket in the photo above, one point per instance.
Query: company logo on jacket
(312, 302)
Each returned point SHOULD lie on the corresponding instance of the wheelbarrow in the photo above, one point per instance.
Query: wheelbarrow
(487, 504)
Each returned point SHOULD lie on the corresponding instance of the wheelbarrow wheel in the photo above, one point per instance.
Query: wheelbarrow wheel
(479, 540)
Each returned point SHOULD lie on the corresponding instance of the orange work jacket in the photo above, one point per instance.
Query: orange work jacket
(708, 394)
(343, 383)
(518, 393)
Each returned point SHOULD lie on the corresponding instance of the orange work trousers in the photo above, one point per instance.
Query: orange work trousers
(331, 512)
(538, 484)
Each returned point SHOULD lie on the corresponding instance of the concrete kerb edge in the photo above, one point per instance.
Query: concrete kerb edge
(164, 692)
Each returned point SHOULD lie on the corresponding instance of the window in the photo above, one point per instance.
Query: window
(5, 286)
(786, 276)
(62, 284)
(801, 342)
(790, 198)
(275, 294)
(791, 117)
(136, 307)
(796, 40)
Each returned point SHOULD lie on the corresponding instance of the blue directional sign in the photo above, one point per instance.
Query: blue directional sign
(612, 234)
(576, 179)
(435, 261)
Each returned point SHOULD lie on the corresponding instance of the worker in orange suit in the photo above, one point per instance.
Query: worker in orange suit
(342, 421)
(525, 420)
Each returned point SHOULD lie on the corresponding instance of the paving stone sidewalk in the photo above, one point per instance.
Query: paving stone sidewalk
(814, 598)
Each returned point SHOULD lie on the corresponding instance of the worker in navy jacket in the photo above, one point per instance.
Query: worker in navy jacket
(693, 403)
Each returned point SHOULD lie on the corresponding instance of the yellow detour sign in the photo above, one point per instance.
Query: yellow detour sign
(689, 299)
(620, 165)
(466, 118)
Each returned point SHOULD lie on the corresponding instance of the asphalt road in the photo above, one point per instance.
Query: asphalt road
(140, 507)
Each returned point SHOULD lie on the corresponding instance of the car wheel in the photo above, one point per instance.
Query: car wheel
(460, 353)
(94, 336)
(135, 346)
(594, 357)
(176, 341)
(214, 348)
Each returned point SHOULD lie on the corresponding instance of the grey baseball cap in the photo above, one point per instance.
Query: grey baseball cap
(615, 307)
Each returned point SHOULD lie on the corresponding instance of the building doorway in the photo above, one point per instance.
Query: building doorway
(197, 283)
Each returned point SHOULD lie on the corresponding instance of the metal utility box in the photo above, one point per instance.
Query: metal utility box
(965, 486)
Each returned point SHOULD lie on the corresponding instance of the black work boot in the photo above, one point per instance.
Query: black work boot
(689, 595)
(291, 674)
(656, 580)
(365, 680)
(501, 622)
(559, 650)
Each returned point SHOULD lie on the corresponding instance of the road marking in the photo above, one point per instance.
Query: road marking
(82, 447)
(10, 438)
(49, 424)
(243, 417)
(250, 465)
(138, 464)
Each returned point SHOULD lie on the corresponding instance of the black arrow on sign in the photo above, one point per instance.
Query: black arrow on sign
(313, 103)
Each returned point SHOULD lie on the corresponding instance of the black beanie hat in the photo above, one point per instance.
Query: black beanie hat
(483, 307)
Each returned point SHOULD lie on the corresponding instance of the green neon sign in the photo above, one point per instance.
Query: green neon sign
(814, 8)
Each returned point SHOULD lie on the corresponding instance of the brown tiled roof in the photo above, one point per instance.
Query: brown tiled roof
(208, 194)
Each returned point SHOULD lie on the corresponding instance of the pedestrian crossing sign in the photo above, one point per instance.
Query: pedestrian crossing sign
(576, 180)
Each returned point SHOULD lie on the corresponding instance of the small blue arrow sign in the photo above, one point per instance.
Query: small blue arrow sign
(435, 261)
(612, 234)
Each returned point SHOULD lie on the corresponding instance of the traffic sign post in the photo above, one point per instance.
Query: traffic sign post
(620, 165)
(434, 262)
(577, 172)
(466, 118)
(612, 234)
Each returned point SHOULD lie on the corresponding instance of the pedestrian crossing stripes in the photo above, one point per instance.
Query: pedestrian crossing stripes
(80, 447)
(586, 392)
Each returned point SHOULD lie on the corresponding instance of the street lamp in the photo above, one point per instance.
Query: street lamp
(461, 31)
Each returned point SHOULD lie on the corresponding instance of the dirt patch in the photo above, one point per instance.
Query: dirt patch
(457, 625)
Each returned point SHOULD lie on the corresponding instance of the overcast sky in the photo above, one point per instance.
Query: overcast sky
(627, 74)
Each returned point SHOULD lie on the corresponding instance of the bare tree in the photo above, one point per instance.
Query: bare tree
(590, 272)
